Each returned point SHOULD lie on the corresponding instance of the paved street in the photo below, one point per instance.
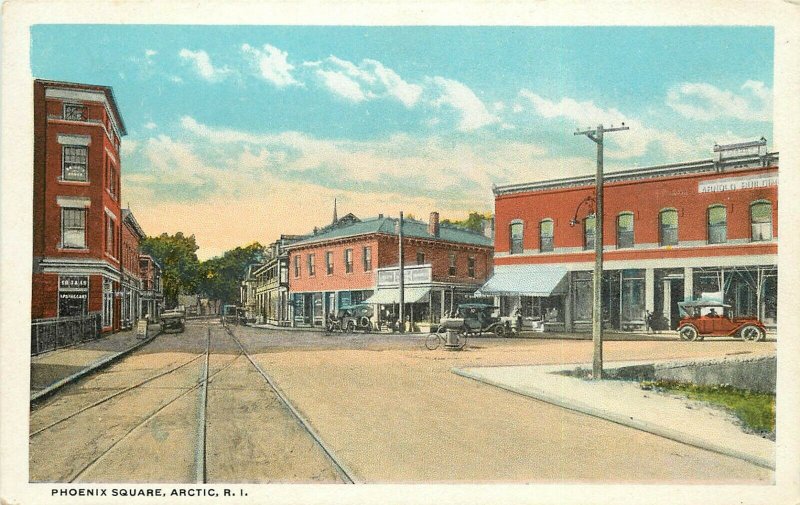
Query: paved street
(383, 407)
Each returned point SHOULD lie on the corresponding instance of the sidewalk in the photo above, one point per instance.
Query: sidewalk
(54, 369)
(624, 402)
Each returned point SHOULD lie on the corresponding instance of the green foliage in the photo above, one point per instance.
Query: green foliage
(220, 276)
(178, 259)
(755, 410)
(473, 222)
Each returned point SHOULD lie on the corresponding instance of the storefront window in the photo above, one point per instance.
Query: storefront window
(717, 224)
(108, 302)
(625, 230)
(632, 295)
(516, 231)
(546, 235)
(588, 232)
(582, 285)
(668, 225)
(761, 221)
(73, 295)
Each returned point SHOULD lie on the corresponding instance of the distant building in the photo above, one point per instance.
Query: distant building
(268, 284)
(77, 218)
(354, 261)
(132, 235)
(152, 295)
(671, 232)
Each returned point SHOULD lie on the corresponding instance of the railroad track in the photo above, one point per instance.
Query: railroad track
(341, 469)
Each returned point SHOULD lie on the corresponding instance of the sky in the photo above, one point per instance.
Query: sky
(240, 133)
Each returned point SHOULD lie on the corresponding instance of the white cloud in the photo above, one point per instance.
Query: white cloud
(342, 85)
(203, 66)
(473, 112)
(149, 53)
(272, 64)
(626, 144)
(706, 102)
(175, 79)
(150, 125)
(395, 86)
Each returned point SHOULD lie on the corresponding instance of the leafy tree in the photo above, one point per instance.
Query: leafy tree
(178, 259)
(473, 222)
(220, 276)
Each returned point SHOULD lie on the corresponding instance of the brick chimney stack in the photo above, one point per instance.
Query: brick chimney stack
(433, 224)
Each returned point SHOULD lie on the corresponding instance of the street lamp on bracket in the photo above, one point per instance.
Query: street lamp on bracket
(589, 200)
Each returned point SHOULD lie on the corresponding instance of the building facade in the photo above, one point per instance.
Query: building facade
(131, 284)
(268, 284)
(670, 233)
(151, 299)
(358, 262)
(77, 217)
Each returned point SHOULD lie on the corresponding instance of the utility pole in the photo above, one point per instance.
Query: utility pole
(596, 135)
(402, 281)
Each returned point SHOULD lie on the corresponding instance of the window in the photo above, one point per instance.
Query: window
(546, 235)
(73, 228)
(110, 235)
(297, 266)
(74, 163)
(311, 265)
(329, 262)
(668, 227)
(348, 261)
(452, 270)
(367, 258)
(761, 221)
(471, 266)
(420, 257)
(74, 112)
(516, 237)
(625, 230)
(111, 175)
(717, 224)
(588, 232)
(108, 303)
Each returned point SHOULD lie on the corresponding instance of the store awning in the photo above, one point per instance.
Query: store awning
(384, 296)
(525, 280)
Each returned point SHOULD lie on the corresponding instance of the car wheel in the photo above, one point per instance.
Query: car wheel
(500, 330)
(351, 326)
(751, 332)
(688, 333)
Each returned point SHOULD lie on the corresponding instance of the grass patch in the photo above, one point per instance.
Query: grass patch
(755, 410)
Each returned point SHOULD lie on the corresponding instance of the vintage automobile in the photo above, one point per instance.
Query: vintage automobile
(710, 318)
(476, 319)
(355, 317)
(172, 321)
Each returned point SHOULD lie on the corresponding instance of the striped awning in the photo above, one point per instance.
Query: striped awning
(525, 280)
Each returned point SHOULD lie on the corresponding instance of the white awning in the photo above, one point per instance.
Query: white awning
(525, 280)
(385, 296)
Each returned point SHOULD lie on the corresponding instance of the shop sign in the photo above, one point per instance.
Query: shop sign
(73, 282)
(737, 183)
(411, 275)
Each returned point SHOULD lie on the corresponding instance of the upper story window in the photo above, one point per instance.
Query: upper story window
(625, 230)
(588, 232)
(546, 235)
(73, 228)
(761, 221)
(420, 257)
(717, 224)
(297, 266)
(74, 112)
(329, 262)
(311, 270)
(110, 235)
(515, 235)
(348, 261)
(452, 268)
(471, 267)
(74, 165)
(668, 227)
(367, 258)
(111, 183)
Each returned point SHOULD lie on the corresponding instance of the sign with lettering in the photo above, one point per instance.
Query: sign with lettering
(411, 275)
(141, 329)
(737, 183)
(73, 282)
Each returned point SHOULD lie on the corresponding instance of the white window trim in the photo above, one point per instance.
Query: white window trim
(74, 140)
(73, 201)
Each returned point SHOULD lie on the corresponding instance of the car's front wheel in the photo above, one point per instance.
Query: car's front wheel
(688, 333)
(752, 332)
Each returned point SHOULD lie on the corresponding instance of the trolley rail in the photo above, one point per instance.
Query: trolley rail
(344, 473)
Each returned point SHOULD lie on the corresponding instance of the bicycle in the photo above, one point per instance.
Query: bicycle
(434, 340)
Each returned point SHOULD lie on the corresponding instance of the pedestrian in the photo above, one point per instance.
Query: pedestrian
(518, 317)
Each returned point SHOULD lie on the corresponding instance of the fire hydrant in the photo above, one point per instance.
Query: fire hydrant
(451, 341)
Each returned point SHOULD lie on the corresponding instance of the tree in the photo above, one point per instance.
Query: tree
(178, 259)
(473, 222)
(220, 276)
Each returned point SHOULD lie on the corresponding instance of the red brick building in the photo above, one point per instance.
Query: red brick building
(670, 232)
(131, 236)
(357, 261)
(151, 297)
(76, 202)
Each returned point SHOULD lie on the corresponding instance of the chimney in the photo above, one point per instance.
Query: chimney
(433, 224)
(380, 216)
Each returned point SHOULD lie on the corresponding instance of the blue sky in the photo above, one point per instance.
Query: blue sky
(240, 133)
